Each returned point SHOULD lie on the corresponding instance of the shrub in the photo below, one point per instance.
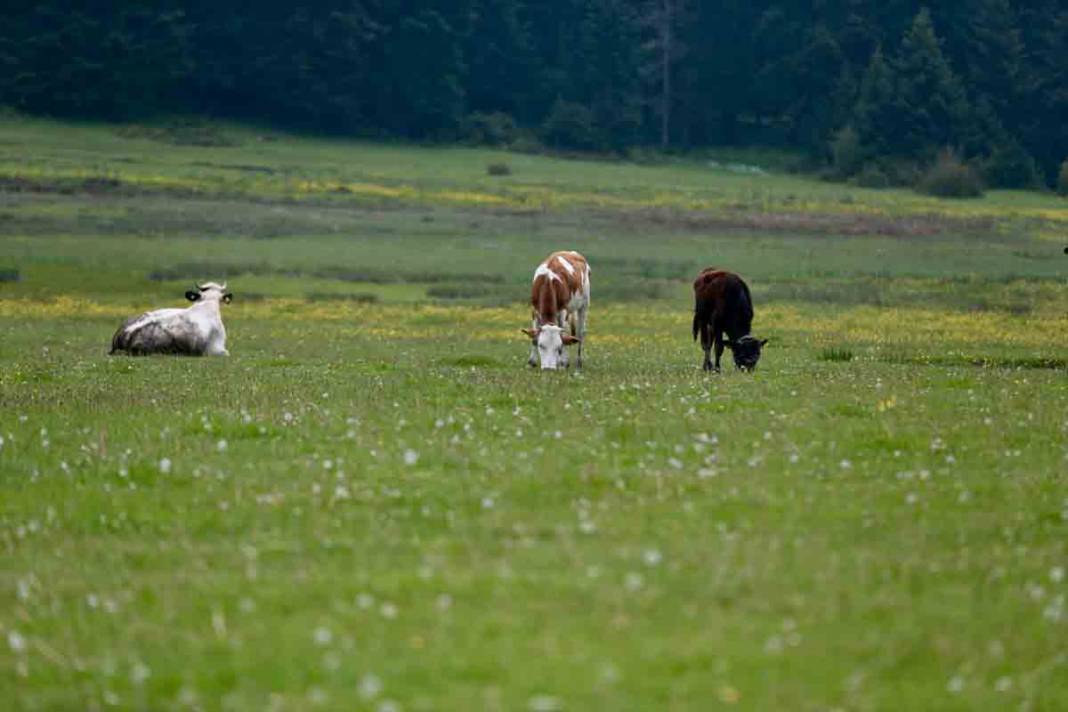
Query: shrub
(901, 171)
(490, 129)
(949, 177)
(9, 274)
(180, 132)
(872, 176)
(570, 126)
(1010, 166)
(836, 354)
(358, 297)
(459, 290)
(847, 155)
(526, 143)
(499, 169)
(1062, 179)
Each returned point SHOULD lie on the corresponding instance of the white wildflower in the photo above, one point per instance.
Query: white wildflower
(139, 673)
(544, 703)
(370, 686)
(16, 642)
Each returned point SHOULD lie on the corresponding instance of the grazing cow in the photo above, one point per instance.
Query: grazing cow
(560, 296)
(722, 304)
(194, 331)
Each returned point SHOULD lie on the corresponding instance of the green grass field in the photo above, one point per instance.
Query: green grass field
(373, 503)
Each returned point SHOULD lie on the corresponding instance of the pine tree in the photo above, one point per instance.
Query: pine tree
(875, 115)
(424, 95)
(499, 60)
(993, 60)
(932, 111)
(609, 70)
(718, 84)
(1045, 102)
(664, 18)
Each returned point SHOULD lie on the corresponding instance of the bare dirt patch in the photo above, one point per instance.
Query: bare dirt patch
(844, 223)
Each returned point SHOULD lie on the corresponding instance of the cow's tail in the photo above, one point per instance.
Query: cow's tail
(123, 339)
(118, 342)
(702, 322)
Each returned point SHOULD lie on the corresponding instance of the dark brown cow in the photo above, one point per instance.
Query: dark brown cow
(722, 304)
(559, 296)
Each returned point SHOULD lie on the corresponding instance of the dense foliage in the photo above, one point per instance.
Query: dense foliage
(985, 78)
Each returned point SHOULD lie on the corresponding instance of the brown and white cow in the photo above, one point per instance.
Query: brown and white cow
(560, 296)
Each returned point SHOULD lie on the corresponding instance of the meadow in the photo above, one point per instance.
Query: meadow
(374, 504)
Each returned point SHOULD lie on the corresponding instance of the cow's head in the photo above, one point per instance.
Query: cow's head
(550, 341)
(746, 351)
(209, 291)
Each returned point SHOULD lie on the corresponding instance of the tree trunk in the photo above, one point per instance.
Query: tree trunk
(667, 19)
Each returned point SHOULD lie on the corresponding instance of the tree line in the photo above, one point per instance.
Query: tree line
(872, 91)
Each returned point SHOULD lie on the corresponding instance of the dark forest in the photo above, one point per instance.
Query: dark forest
(877, 90)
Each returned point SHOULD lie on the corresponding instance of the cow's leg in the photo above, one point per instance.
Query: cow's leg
(562, 320)
(581, 332)
(216, 346)
(719, 347)
(532, 361)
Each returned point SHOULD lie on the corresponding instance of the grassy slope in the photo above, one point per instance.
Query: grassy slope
(883, 532)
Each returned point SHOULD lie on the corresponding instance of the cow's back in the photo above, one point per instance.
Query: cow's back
(724, 297)
(559, 280)
(164, 331)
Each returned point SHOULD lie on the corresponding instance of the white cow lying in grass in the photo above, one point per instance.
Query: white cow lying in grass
(195, 331)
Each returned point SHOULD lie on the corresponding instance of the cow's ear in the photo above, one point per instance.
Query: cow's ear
(763, 343)
(192, 296)
(228, 297)
(568, 339)
(530, 332)
(729, 344)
